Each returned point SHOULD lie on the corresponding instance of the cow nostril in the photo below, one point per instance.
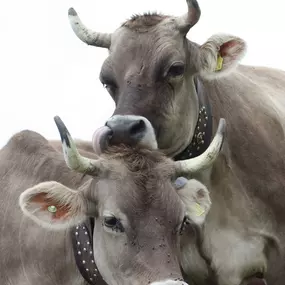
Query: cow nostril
(137, 127)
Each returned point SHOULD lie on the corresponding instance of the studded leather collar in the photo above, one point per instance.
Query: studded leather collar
(203, 131)
(82, 242)
(82, 235)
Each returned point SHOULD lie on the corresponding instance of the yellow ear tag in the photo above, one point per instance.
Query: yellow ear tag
(199, 211)
(219, 63)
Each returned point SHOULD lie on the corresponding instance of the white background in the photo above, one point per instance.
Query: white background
(46, 70)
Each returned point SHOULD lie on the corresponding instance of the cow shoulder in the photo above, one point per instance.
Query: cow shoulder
(22, 150)
(25, 141)
(28, 158)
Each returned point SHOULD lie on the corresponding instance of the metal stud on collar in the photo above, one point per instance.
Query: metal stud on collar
(84, 255)
(199, 134)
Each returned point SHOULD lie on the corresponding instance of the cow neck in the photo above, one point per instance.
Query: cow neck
(82, 243)
(203, 132)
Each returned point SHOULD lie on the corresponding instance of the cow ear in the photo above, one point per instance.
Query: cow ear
(220, 55)
(53, 205)
(195, 196)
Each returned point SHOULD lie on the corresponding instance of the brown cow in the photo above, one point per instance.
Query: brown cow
(141, 214)
(164, 83)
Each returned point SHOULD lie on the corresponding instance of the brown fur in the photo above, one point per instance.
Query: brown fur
(135, 159)
(146, 168)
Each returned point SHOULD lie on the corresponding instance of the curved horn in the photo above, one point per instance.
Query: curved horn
(207, 158)
(71, 155)
(87, 36)
(188, 20)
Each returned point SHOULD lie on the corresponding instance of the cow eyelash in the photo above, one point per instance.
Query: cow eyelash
(111, 88)
(113, 223)
(109, 85)
(107, 82)
(176, 70)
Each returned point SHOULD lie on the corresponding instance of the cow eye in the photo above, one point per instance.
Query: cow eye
(110, 222)
(113, 223)
(176, 70)
(109, 86)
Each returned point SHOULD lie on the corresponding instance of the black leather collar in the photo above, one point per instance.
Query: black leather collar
(203, 131)
(82, 243)
(82, 235)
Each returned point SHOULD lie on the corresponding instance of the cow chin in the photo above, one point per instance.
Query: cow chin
(173, 143)
(130, 130)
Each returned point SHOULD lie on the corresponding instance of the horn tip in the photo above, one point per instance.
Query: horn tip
(193, 3)
(64, 133)
(72, 12)
(56, 118)
(59, 123)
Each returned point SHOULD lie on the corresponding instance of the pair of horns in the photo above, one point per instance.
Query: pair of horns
(79, 163)
(184, 23)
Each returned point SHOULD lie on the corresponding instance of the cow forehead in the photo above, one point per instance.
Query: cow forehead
(136, 56)
(135, 194)
(137, 187)
(136, 179)
(163, 34)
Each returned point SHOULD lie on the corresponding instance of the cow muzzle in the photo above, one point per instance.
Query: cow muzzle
(128, 129)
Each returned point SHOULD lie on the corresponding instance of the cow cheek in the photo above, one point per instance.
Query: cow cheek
(110, 253)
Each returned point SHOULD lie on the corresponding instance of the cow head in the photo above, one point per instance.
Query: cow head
(150, 73)
(139, 210)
